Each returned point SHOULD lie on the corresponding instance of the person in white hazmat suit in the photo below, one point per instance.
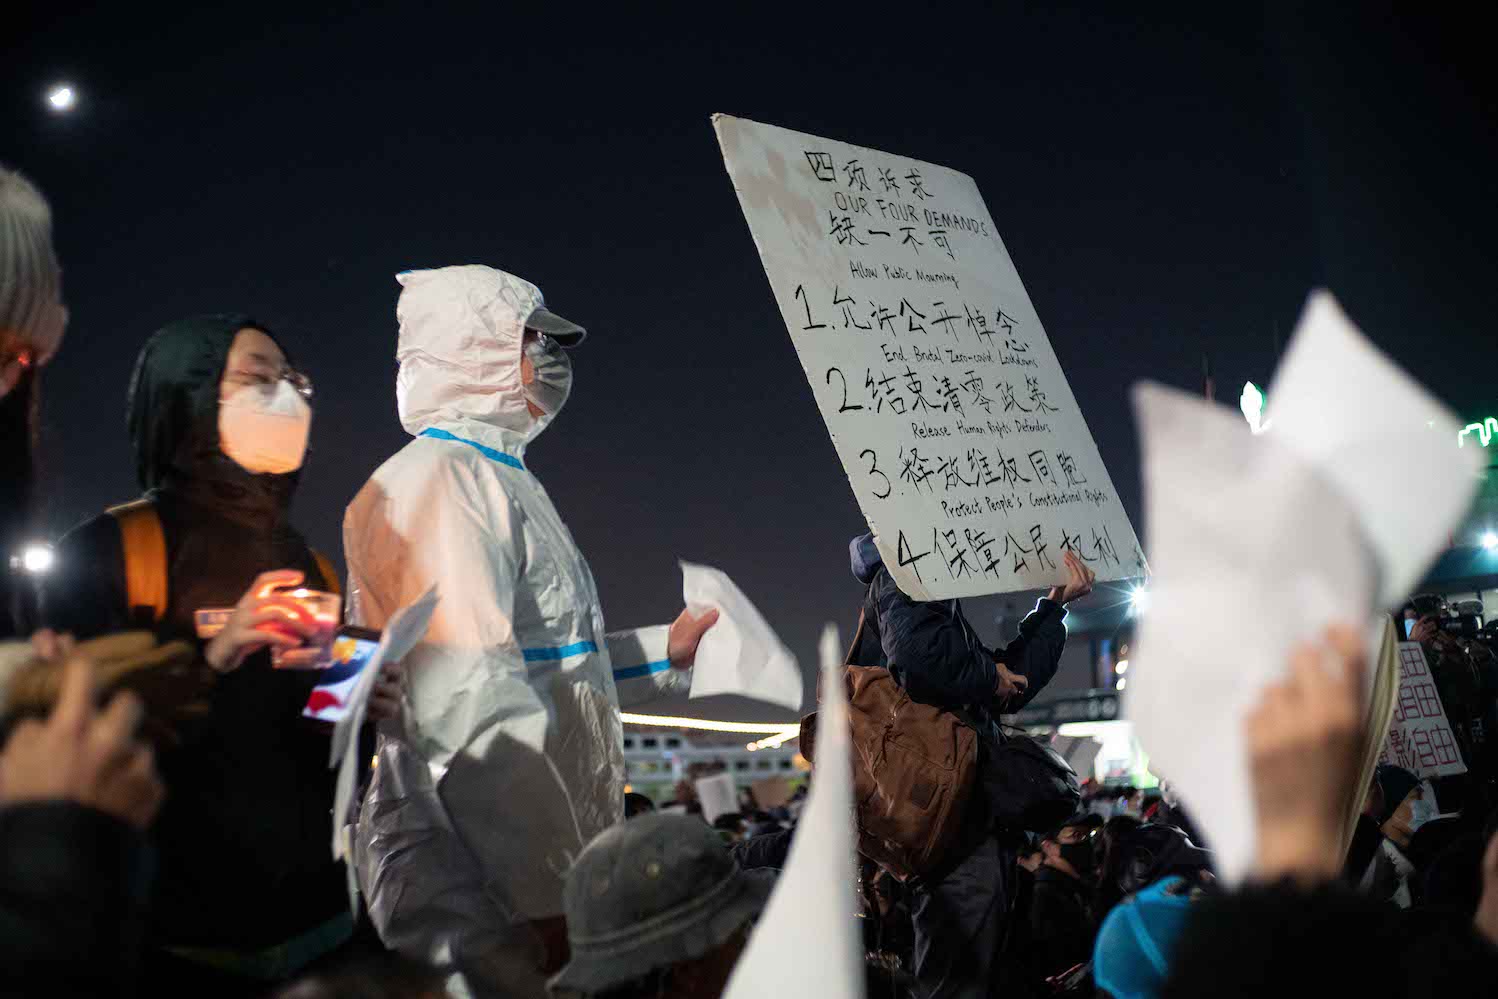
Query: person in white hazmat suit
(508, 755)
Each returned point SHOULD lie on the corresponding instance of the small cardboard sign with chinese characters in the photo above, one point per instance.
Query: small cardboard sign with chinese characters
(953, 420)
(1420, 737)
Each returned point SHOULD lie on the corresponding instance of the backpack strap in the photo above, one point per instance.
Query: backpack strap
(329, 573)
(144, 544)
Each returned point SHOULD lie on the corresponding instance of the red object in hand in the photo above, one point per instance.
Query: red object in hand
(321, 700)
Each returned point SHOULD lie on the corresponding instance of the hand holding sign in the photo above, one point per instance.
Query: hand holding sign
(1079, 580)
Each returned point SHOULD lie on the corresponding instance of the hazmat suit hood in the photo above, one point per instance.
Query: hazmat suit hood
(462, 332)
(174, 418)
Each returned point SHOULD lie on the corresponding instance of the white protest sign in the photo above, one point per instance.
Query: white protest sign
(1420, 737)
(956, 427)
(808, 944)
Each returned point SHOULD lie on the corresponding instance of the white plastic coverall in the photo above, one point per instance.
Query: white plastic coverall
(510, 759)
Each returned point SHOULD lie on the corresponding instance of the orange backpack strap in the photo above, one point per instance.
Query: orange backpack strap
(144, 544)
(329, 572)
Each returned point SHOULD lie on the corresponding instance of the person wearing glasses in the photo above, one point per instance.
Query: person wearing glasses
(247, 891)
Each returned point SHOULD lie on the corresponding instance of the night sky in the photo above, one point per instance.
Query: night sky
(1167, 188)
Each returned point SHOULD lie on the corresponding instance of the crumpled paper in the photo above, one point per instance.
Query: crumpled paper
(1258, 542)
(741, 654)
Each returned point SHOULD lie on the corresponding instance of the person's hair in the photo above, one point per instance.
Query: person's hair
(637, 804)
(729, 822)
(30, 277)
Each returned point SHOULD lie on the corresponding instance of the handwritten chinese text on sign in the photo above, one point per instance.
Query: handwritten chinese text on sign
(1420, 737)
(956, 427)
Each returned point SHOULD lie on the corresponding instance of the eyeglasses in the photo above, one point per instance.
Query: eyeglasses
(545, 341)
(297, 380)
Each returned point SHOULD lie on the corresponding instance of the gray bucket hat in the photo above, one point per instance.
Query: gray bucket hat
(649, 893)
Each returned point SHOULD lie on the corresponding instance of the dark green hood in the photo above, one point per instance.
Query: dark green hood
(173, 419)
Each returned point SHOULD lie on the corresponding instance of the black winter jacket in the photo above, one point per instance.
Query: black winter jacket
(73, 886)
(243, 834)
(935, 656)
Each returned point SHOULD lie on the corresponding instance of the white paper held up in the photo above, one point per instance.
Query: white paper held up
(718, 795)
(808, 944)
(1261, 541)
(406, 627)
(1341, 404)
(741, 654)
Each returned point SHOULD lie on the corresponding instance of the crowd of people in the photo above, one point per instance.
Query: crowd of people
(165, 806)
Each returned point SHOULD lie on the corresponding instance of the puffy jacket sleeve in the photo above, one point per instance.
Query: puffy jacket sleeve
(931, 650)
(642, 672)
(1036, 653)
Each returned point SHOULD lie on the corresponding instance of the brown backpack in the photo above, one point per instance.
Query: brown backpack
(913, 770)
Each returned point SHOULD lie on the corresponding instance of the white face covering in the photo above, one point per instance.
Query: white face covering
(264, 427)
(553, 378)
(1421, 812)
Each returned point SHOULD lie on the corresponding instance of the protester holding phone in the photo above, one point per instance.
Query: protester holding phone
(247, 890)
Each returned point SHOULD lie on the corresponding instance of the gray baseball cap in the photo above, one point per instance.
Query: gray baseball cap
(563, 331)
(655, 891)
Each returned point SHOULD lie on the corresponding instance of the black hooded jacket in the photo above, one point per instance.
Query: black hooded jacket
(243, 836)
(932, 651)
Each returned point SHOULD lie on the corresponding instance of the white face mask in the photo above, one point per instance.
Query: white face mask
(553, 376)
(1421, 812)
(264, 427)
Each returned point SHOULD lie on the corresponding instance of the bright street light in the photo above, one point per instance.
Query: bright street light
(37, 558)
(1139, 600)
(1489, 540)
(1122, 667)
(62, 98)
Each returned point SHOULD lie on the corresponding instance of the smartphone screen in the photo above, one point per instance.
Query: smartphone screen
(1409, 626)
(352, 649)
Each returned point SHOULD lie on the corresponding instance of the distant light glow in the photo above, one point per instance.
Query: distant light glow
(1122, 667)
(1489, 540)
(775, 741)
(38, 558)
(1123, 682)
(1251, 402)
(62, 98)
(1092, 729)
(704, 725)
(1139, 600)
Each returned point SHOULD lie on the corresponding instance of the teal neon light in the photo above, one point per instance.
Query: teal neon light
(1486, 431)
